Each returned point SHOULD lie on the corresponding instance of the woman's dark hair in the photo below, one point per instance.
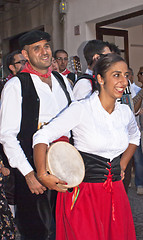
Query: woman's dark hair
(106, 61)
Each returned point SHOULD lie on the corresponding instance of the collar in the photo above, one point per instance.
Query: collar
(65, 72)
(88, 71)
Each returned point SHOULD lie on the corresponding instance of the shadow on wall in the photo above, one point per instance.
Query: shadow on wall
(81, 56)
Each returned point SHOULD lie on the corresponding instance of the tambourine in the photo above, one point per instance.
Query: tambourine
(65, 162)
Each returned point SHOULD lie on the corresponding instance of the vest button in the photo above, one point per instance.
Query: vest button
(38, 99)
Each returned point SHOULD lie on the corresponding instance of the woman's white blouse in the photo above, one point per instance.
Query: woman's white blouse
(95, 130)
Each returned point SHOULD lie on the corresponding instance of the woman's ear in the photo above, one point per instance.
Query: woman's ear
(100, 79)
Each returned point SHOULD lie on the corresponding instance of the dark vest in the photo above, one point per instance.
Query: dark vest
(30, 114)
(30, 111)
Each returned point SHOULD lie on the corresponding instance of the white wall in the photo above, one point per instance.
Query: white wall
(86, 13)
(135, 35)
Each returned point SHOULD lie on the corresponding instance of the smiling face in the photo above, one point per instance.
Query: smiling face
(39, 55)
(115, 81)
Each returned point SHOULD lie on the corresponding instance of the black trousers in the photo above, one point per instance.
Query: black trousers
(51, 236)
(34, 213)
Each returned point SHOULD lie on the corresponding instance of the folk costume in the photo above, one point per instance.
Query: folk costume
(70, 75)
(26, 104)
(102, 210)
(65, 72)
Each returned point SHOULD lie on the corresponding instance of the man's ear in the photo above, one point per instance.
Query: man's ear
(25, 54)
(12, 68)
(95, 57)
(100, 79)
(94, 60)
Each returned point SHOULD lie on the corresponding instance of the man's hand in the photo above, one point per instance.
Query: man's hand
(53, 183)
(5, 171)
(34, 185)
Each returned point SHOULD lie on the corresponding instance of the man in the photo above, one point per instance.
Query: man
(92, 51)
(61, 57)
(114, 48)
(135, 87)
(29, 100)
(138, 156)
(15, 63)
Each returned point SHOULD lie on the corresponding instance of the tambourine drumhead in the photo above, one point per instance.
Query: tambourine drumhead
(65, 162)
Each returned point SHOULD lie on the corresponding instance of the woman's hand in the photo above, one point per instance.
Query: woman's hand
(52, 182)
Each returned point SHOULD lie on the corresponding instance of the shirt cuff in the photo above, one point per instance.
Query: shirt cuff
(37, 138)
(24, 168)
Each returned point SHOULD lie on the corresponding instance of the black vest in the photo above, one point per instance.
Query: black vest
(30, 114)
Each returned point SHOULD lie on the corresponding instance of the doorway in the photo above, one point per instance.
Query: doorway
(112, 30)
(116, 36)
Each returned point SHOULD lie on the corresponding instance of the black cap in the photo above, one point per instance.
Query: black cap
(33, 37)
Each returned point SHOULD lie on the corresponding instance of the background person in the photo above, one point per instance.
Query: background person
(54, 65)
(92, 52)
(106, 134)
(114, 48)
(61, 57)
(15, 63)
(138, 156)
(131, 78)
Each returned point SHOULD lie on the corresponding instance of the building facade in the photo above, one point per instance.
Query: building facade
(117, 21)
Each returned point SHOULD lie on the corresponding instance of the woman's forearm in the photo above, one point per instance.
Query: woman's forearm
(39, 152)
(127, 155)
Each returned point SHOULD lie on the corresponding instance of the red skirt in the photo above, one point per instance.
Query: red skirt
(99, 213)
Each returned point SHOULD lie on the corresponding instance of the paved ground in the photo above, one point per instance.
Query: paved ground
(136, 202)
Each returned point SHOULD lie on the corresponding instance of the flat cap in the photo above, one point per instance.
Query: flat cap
(33, 37)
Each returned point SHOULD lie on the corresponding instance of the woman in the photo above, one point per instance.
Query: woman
(106, 134)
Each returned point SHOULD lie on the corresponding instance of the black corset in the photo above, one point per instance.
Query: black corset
(98, 169)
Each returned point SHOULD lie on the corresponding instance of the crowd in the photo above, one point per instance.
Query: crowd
(41, 102)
